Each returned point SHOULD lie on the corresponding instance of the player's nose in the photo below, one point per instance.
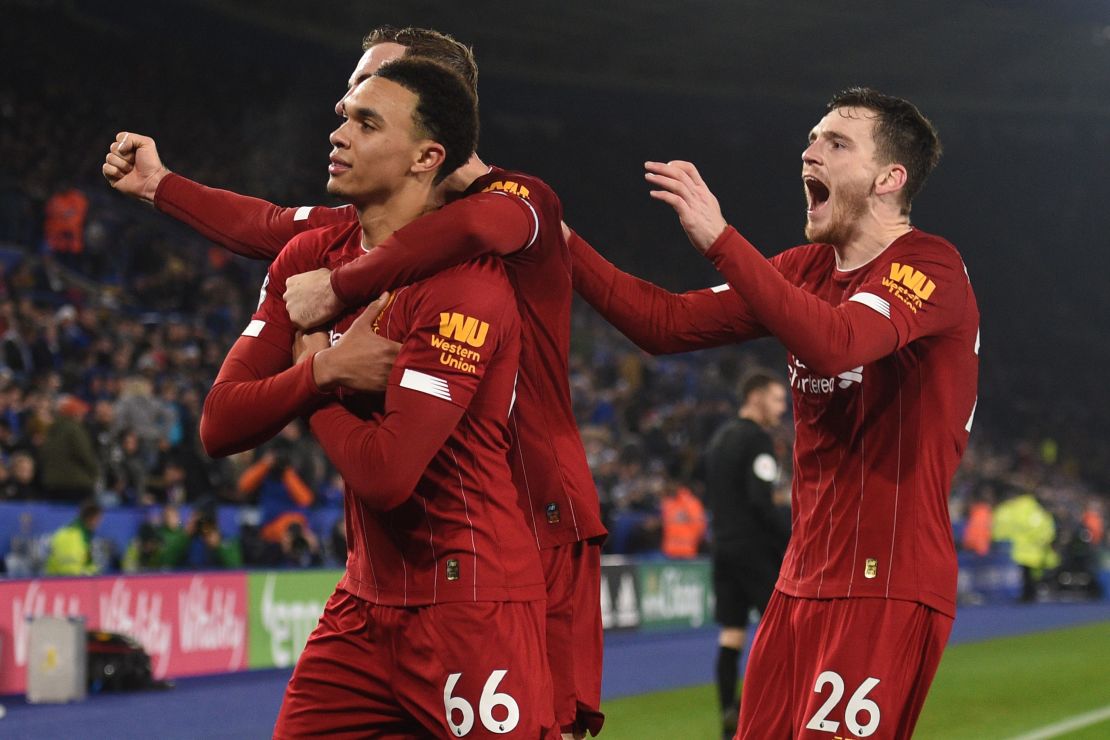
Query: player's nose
(810, 154)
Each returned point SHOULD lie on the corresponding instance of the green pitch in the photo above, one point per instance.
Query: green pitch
(994, 689)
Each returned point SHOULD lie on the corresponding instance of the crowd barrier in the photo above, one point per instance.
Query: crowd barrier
(204, 623)
(120, 525)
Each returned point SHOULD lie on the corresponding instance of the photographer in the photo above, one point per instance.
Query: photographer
(205, 548)
(282, 496)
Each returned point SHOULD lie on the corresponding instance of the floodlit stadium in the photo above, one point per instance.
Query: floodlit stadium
(677, 421)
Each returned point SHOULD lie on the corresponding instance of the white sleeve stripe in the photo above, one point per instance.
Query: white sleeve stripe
(872, 301)
(536, 220)
(254, 328)
(720, 288)
(430, 384)
(535, 217)
(302, 213)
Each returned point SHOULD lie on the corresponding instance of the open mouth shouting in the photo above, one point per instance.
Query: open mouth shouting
(817, 194)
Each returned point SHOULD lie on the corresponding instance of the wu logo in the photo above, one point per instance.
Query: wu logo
(463, 328)
(916, 281)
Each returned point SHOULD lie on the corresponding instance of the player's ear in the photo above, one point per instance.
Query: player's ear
(890, 179)
(429, 156)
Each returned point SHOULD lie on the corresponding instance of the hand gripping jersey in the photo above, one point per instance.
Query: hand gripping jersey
(431, 510)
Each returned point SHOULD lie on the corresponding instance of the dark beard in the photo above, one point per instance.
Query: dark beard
(851, 205)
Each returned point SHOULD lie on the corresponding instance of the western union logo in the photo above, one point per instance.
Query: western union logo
(508, 186)
(916, 281)
(463, 328)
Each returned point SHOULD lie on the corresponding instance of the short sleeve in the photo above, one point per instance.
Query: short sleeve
(922, 289)
(458, 322)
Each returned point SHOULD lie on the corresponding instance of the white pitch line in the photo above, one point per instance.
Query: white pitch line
(1074, 723)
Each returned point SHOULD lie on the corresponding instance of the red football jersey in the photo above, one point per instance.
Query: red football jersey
(548, 460)
(876, 446)
(877, 441)
(454, 530)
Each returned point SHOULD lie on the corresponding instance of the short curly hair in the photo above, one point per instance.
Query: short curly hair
(446, 109)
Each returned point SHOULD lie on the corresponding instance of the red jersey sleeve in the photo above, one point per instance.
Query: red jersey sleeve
(922, 289)
(454, 329)
(247, 226)
(492, 222)
(656, 320)
(828, 339)
(258, 390)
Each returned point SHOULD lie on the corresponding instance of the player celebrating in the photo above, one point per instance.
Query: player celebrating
(881, 327)
(439, 553)
(503, 212)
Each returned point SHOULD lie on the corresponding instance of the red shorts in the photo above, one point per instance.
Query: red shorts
(840, 668)
(573, 576)
(473, 669)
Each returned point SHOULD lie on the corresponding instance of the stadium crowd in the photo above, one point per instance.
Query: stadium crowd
(114, 320)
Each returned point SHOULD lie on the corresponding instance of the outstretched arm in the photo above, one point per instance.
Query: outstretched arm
(250, 227)
(247, 226)
(656, 320)
(829, 339)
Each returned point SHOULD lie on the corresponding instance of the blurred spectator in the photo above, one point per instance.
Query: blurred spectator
(19, 478)
(65, 224)
(71, 545)
(25, 556)
(205, 547)
(139, 411)
(299, 547)
(160, 544)
(1027, 525)
(67, 459)
(281, 492)
(684, 524)
(977, 533)
(127, 470)
(1094, 523)
(145, 550)
(336, 543)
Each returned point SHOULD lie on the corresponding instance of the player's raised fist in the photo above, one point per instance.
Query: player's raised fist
(132, 166)
(310, 299)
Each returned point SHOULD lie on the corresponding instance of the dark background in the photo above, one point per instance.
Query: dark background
(239, 94)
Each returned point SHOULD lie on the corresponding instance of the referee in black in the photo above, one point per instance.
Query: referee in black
(749, 531)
